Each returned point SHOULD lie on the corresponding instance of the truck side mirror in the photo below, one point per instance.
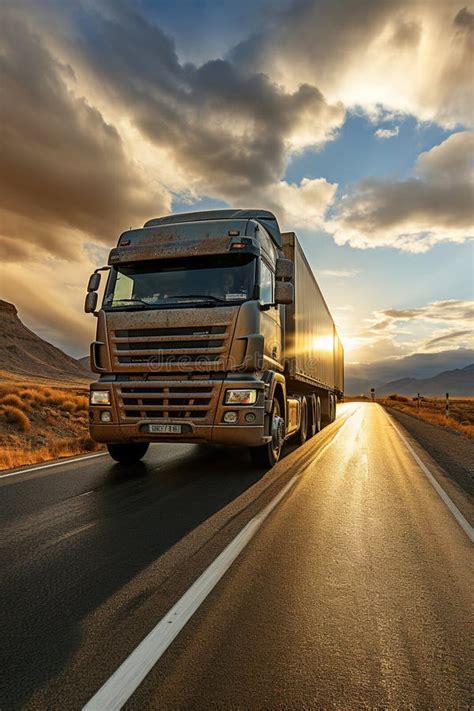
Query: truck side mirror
(94, 282)
(284, 268)
(283, 292)
(91, 302)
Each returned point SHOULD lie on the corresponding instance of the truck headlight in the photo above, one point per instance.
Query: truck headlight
(100, 397)
(241, 397)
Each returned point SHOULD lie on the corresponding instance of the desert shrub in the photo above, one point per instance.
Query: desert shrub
(7, 389)
(68, 405)
(32, 396)
(12, 400)
(16, 417)
(55, 398)
(398, 398)
(81, 403)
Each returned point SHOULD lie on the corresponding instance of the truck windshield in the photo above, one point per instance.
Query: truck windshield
(215, 280)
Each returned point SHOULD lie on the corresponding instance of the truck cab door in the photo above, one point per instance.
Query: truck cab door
(270, 322)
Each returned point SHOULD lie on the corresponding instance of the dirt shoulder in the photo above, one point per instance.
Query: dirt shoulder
(453, 452)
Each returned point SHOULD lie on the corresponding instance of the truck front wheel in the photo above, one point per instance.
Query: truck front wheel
(128, 453)
(268, 454)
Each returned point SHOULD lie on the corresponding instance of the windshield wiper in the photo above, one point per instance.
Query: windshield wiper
(204, 297)
(137, 302)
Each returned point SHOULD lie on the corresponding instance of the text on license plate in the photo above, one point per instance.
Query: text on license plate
(164, 429)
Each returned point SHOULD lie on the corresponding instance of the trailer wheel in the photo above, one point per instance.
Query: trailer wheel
(268, 454)
(315, 412)
(303, 431)
(333, 407)
(128, 453)
(318, 414)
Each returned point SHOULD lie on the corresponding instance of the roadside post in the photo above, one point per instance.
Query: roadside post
(418, 401)
(372, 394)
(446, 409)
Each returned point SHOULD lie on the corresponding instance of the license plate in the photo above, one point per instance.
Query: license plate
(164, 429)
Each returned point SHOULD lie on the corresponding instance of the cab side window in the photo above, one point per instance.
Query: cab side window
(266, 284)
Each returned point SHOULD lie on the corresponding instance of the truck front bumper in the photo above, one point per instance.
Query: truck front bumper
(130, 422)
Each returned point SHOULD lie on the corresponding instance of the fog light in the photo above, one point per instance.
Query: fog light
(230, 417)
(105, 416)
(250, 417)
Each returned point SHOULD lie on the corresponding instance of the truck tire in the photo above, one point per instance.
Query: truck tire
(315, 411)
(328, 408)
(128, 453)
(268, 454)
(302, 435)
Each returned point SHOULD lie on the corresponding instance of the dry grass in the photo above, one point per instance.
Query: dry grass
(15, 417)
(11, 457)
(12, 400)
(40, 422)
(432, 410)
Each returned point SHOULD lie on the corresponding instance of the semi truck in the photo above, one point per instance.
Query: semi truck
(211, 329)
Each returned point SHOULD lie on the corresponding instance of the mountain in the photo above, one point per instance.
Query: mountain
(23, 353)
(360, 377)
(85, 361)
(455, 382)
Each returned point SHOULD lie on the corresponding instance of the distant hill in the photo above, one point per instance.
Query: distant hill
(360, 377)
(85, 361)
(23, 353)
(456, 382)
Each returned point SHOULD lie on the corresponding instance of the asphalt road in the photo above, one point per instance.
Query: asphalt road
(354, 592)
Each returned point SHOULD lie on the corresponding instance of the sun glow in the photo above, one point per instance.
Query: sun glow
(323, 343)
(350, 344)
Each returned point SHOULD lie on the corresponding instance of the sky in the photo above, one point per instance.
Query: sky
(350, 119)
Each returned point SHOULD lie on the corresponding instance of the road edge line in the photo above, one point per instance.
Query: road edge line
(63, 462)
(449, 503)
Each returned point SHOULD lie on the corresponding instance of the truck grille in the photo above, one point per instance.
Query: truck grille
(188, 347)
(172, 400)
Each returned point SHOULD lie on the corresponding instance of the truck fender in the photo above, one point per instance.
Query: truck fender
(274, 380)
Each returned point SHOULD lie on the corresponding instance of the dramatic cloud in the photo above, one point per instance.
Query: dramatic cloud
(387, 132)
(63, 174)
(448, 310)
(434, 205)
(449, 339)
(230, 132)
(413, 56)
(425, 329)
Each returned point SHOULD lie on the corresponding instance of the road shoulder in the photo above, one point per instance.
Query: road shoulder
(448, 456)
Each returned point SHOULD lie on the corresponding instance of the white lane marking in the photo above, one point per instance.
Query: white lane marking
(465, 525)
(134, 669)
(54, 464)
(130, 674)
(72, 533)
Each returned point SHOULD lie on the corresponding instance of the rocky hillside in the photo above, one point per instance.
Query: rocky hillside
(24, 354)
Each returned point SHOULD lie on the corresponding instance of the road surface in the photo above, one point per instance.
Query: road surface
(350, 586)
